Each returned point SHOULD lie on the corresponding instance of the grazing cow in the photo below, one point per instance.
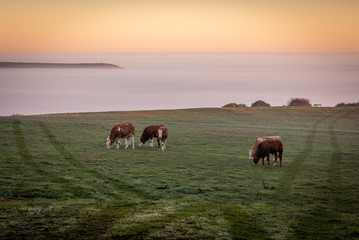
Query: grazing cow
(264, 146)
(154, 131)
(122, 130)
(257, 142)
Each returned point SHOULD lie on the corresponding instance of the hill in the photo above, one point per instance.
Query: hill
(58, 180)
(55, 65)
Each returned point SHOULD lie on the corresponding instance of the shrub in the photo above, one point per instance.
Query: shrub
(299, 102)
(234, 105)
(260, 103)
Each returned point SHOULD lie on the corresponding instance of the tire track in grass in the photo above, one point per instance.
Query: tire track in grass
(338, 189)
(324, 221)
(241, 225)
(28, 159)
(341, 200)
(293, 168)
(93, 226)
(334, 173)
(121, 185)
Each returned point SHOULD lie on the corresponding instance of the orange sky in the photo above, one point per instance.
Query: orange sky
(184, 25)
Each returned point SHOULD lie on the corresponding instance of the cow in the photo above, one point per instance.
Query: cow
(257, 142)
(264, 146)
(121, 130)
(154, 131)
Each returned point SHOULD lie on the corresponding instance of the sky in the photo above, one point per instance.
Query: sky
(179, 26)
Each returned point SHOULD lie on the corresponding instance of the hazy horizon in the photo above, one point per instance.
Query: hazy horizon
(151, 81)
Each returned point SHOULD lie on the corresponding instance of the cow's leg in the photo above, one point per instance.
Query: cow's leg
(163, 147)
(268, 159)
(275, 159)
(151, 142)
(159, 143)
(118, 143)
(133, 141)
(126, 142)
(165, 144)
(263, 161)
(280, 158)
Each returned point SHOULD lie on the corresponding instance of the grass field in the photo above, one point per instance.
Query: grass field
(58, 180)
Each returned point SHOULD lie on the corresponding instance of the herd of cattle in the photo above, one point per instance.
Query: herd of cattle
(262, 148)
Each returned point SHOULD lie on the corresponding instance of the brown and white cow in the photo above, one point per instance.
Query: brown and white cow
(122, 130)
(155, 131)
(264, 146)
(257, 142)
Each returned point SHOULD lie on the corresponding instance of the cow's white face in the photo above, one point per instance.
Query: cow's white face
(250, 154)
(108, 143)
(140, 144)
(160, 133)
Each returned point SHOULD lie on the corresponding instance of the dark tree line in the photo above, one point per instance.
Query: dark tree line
(293, 102)
(342, 104)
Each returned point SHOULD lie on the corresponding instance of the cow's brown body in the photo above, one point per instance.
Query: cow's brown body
(122, 130)
(266, 147)
(155, 131)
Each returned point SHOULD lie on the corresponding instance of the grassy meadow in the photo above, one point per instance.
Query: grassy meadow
(58, 180)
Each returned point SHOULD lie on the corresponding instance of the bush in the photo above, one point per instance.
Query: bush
(342, 104)
(299, 102)
(234, 105)
(260, 103)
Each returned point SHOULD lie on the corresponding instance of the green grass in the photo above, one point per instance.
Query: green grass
(58, 180)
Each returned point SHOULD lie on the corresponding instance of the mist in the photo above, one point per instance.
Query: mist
(149, 81)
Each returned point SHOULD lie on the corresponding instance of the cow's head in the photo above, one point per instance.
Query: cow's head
(250, 154)
(108, 142)
(253, 157)
(255, 160)
(141, 142)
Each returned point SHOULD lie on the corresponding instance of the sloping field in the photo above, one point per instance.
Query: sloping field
(58, 180)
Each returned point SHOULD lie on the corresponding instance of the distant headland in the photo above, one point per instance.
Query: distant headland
(56, 65)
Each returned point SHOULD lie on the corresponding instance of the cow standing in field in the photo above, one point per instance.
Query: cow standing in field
(264, 146)
(122, 130)
(155, 131)
(258, 141)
